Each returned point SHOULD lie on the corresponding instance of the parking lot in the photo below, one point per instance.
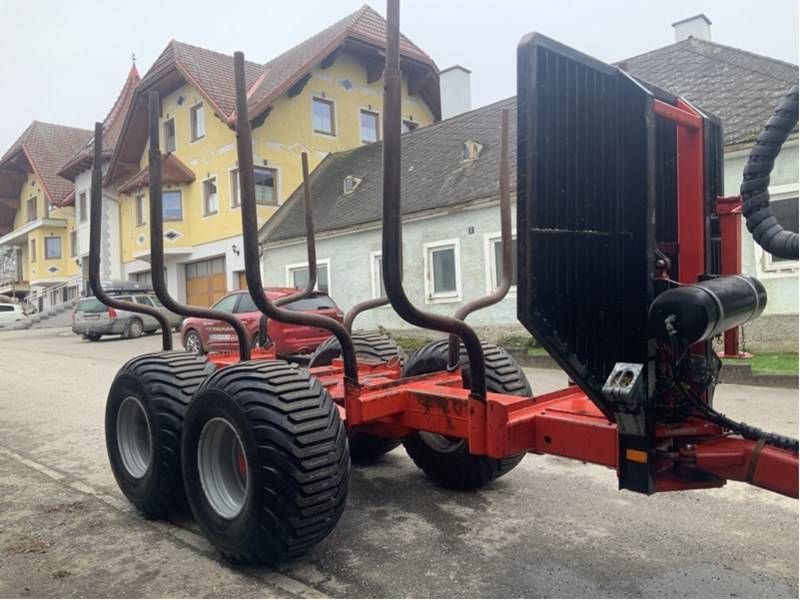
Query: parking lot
(551, 528)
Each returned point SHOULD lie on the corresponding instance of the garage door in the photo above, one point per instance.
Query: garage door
(205, 281)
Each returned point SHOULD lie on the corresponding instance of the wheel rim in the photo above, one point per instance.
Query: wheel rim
(193, 343)
(136, 329)
(134, 437)
(440, 443)
(223, 468)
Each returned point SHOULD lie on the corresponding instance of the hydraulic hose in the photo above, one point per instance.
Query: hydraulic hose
(767, 231)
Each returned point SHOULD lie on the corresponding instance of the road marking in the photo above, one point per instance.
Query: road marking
(196, 542)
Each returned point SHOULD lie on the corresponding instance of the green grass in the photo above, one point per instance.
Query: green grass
(537, 351)
(410, 344)
(779, 363)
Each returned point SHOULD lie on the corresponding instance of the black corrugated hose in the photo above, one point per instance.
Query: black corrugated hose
(767, 231)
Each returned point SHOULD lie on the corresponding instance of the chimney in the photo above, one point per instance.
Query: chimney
(455, 86)
(698, 26)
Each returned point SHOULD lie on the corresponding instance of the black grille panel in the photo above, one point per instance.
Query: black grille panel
(586, 198)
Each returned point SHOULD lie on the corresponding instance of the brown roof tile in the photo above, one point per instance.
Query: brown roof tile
(173, 170)
(46, 148)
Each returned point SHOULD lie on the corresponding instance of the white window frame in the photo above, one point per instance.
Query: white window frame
(289, 269)
(786, 268)
(377, 123)
(335, 133)
(140, 200)
(442, 297)
(231, 186)
(174, 133)
(83, 203)
(192, 108)
(278, 198)
(375, 275)
(490, 261)
(203, 212)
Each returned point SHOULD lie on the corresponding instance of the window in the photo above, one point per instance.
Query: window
(234, 183)
(494, 262)
(143, 277)
(143, 300)
(33, 250)
(297, 276)
(141, 210)
(378, 289)
(313, 302)
(227, 303)
(785, 209)
(409, 126)
(30, 206)
(83, 214)
(442, 272)
(323, 116)
(197, 123)
(210, 197)
(246, 304)
(369, 126)
(171, 206)
(52, 247)
(73, 243)
(169, 135)
(266, 193)
(351, 183)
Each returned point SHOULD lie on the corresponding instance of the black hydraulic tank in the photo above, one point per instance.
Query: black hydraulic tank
(699, 311)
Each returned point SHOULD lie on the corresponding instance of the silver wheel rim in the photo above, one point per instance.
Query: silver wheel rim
(440, 443)
(192, 343)
(223, 468)
(133, 437)
(136, 329)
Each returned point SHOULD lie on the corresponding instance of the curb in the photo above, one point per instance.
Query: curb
(735, 374)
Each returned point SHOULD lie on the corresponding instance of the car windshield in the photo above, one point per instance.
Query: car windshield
(91, 305)
(315, 302)
(156, 302)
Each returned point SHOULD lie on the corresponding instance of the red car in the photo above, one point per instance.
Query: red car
(205, 335)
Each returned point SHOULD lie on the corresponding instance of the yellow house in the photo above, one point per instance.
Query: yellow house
(37, 219)
(324, 95)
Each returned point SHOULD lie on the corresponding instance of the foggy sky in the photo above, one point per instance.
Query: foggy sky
(65, 62)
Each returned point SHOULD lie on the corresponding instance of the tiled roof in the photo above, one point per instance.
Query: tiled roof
(212, 72)
(365, 25)
(173, 170)
(112, 126)
(739, 87)
(434, 175)
(47, 147)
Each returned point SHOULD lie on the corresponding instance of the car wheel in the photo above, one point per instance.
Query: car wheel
(192, 342)
(447, 460)
(134, 329)
(93, 337)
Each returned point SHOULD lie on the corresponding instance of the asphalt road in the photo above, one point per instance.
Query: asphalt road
(551, 528)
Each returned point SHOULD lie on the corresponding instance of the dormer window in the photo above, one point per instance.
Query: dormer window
(351, 183)
(470, 150)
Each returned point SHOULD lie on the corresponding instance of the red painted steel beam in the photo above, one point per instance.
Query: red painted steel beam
(683, 114)
(738, 459)
(729, 212)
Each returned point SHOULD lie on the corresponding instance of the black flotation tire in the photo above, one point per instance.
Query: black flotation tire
(298, 463)
(163, 383)
(456, 468)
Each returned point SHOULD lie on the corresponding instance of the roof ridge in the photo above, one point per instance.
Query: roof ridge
(733, 64)
(743, 51)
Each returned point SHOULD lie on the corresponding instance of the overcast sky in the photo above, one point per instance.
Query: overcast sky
(64, 62)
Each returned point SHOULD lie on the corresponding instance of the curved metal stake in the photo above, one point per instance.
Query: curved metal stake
(157, 240)
(360, 308)
(244, 144)
(505, 239)
(96, 219)
(311, 253)
(392, 221)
